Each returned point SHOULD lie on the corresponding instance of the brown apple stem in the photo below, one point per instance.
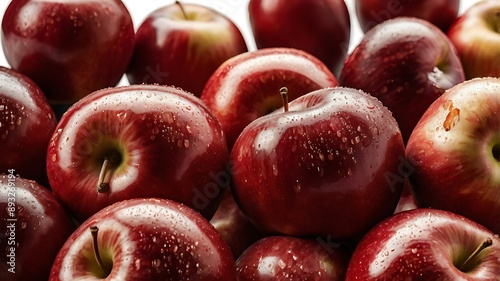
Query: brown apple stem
(104, 175)
(178, 3)
(485, 244)
(94, 230)
(284, 95)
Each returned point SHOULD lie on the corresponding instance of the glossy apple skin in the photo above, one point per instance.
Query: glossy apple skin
(171, 147)
(454, 153)
(234, 226)
(247, 86)
(406, 63)
(170, 50)
(147, 239)
(424, 244)
(475, 36)
(331, 155)
(26, 125)
(69, 48)
(291, 258)
(441, 13)
(42, 225)
(321, 28)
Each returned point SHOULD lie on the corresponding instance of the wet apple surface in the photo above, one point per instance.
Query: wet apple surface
(295, 171)
(69, 48)
(145, 239)
(33, 221)
(161, 142)
(246, 86)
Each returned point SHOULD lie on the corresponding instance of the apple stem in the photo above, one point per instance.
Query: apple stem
(105, 175)
(284, 95)
(178, 3)
(94, 230)
(485, 244)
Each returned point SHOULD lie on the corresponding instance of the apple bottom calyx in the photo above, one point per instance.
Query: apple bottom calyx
(473, 259)
(104, 267)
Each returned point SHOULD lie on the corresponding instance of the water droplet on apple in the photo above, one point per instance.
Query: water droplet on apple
(138, 264)
(297, 187)
(349, 172)
(414, 250)
(187, 144)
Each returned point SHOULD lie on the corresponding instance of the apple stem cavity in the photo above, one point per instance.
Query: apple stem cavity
(94, 230)
(467, 264)
(284, 95)
(178, 3)
(108, 167)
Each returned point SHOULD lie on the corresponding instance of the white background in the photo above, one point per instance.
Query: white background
(234, 9)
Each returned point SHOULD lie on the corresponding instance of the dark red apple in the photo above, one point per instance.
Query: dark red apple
(426, 244)
(476, 36)
(234, 226)
(321, 28)
(455, 153)
(441, 13)
(183, 45)
(138, 141)
(291, 258)
(142, 240)
(406, 63)
(34, 226)
(69, 48)
(26, 124)
(334, 155)
(245, 87)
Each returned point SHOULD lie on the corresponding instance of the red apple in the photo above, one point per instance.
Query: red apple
(26, 124)
(69, 48)
(138, 141)
(183, 45)
(291, 258)
(441, 13)
(335, 154)
(475, 35)
(426, 244)
(406, 63)
(145, 239)
(321, 28)
(234, 226)
(455, 150)
(34, 226)
(245, 87)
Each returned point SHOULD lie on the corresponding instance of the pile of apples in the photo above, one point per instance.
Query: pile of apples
(304, 158)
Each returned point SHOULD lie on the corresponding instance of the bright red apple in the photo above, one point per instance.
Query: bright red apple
(145, 239)
(26, 124)
(476, 36)
(426, 244)
(441, 13)
(182, 45)
(321, 28)
(245, 87)
(138, 141)
(234, 226)
(291, 258)
(406, 63)
(455, 153)
(334, 155)
(34, 226)
(69, 48)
